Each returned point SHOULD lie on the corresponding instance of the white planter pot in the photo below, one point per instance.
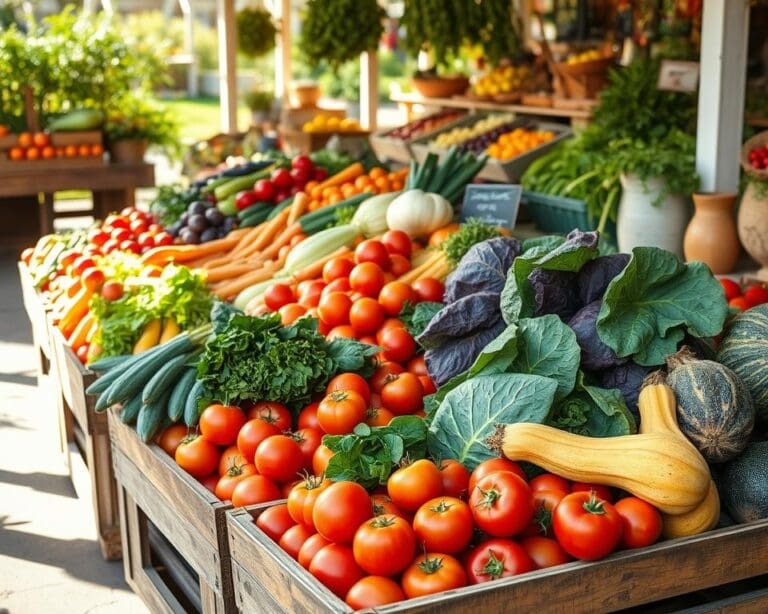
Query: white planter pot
(641, 223)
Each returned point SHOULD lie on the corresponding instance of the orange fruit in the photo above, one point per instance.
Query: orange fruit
(96, 150)
(4, 130)
(383, 184)
(41, 139)
(397, 185)
(363, 182)
(48, 152)
(33, 153)
(25, 139)
(70, 151)
(376, 172)
(16, 153)
(84, 151)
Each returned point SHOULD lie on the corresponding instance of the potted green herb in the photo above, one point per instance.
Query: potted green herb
(133, 123)
(260, 104)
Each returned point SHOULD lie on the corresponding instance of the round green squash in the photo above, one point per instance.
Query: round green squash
(714, 409)
(744, 484)
(745, 351)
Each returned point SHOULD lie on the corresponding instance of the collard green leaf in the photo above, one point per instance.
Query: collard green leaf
(454, 356)
(548, 348)
(547, 242)
(554, 292)
(461, 318)
(517, 298)
(595, 355)
(482, 269)
(595, 276)
(469, 414)
(654, 301)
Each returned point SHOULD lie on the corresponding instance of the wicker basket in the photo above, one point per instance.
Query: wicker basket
(759, 140)
(441, 87)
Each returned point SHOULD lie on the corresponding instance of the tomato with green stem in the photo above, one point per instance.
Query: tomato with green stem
(495, 559)
(309, 439)
(384, 545)
(378, 416)
(586, 526)
(544, 502)
(433, 573)
(273, 413)
(297, 498)
(491, 465)
(380, 377)
(227, 482)
(403, 394)
(349, 381)
(220, 424)
(231, 457)
(197, 456)
(383, 505)
(340, 411)
(602, 492)
(444, 524)
(501, 504)
(413, 485)
(171, 437)
(251, 434)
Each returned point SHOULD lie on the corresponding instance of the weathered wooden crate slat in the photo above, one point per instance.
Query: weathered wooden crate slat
(38, 319)
(84, 437)
(158, 498)
(267, 579)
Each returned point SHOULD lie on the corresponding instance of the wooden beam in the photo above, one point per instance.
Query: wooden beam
(369, 89)
(189, 45)
(283, 68)
(227, 29)
(724, 34)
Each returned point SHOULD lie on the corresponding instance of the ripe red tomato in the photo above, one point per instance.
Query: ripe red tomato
(282, 179)
(197, 456)
(344, 331)
(382, 505)
(92, 278)
(275, 521)
(255, 489)
(171, 437)
(397, 242)
(544, 552)
(278, 295)
(232, 478)
(264, 190)
(427, 384)
(641, 522)
(297, 498)
(755, 295)
(350, 381)
(335, 567)
(603, 492)
(340, 411)
(433, 573)
(374, 251)
(251, 434)
(308, 417)
(367, 278)
(95, 237)
(373, 591)
(402, 394)
(163, 238)
(310, 548)
(382, 375)
(739, 303)
(394, 295)
(544, 501)
(444, 524)
(378, 416)
(290, 313)
(220, 424)
(429, 289)
(413, 485)
(272, 413)
(310, 296)
(586, 526)
(320, 459)
(82, 263)
(333, 308)
(293, 539)
(279, 458)
(549, 481)
(731, 288)
(366, 315)
(337, 285)
(384, 545)
(398, 344)
(337, 268)
(417, 366)
(501, 504)
(399, 266)
(231, 457)
(497, 558)
(339, 510)
(494, 464)
(209, 482)
(112, 290)
(308, 439)
(455, 478)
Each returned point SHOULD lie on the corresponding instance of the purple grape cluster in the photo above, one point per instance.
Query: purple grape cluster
(480, 143)
(201, 222)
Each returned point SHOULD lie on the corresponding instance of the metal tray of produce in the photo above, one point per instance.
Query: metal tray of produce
(387, 147)
(421, 146)
(506, 171)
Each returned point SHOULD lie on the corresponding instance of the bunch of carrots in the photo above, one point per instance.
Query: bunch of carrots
(376, 181)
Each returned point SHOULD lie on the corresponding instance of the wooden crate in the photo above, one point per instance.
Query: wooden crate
(53, 165)
(307, 142)
(175, 548)
(266, 579)
(84, 437)
(78, 137)
(37, 314)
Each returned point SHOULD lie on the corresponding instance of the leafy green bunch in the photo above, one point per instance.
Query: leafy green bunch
(337, 31)
(136, 116)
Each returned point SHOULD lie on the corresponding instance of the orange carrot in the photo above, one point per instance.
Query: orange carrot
(352, 172)
(298, 206)
(75, 311)
(268, 235)
(227, 272)
(80, 334)
(236, 286)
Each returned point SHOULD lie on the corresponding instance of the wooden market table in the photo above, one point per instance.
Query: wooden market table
(113, 186)
(576, 116)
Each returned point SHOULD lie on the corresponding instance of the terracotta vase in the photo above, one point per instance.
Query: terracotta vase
(711, 236)
(127, 151)
(753, 225)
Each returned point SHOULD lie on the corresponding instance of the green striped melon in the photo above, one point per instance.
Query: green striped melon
(745, 351)
(714, 409)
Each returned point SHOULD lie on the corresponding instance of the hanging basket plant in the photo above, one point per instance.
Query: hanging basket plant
(255, 32)
(337, 31)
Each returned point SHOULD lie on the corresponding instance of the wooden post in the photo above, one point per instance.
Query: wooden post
(724, 34)
(283, 70)
(227, 72)
(189, 46)
(369, 89)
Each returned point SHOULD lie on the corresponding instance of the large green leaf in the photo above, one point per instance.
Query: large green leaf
(469, 413)
(648, 308)
(548, 347)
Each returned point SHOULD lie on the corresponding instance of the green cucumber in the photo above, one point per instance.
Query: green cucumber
(106, 380)
(165, 378)
(283, 204)
(238, 184)
(257, 206)
(151, 417)
(130, 410)
(102, 365)
(139, 373)
(180, 394)
(191, 413)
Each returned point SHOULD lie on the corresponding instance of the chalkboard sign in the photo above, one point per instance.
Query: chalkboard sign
(495, 204)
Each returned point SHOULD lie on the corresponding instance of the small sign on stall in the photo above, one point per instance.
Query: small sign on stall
(495, 204)
(678, 76)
